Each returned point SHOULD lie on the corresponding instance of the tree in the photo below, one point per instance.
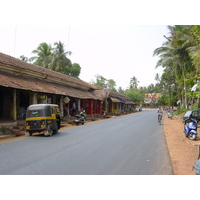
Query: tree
(55, 59)
(135, 96)
(174, 55)
(111, 84)
(121, 90)
(43, 56)
(59, 58)
(24, 58)
(100, 81)
(133, 83)
(73, 70)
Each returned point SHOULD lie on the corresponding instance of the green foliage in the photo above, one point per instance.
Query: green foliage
(133, 83)
(163, 100)
(180, 110)
(54, 58)
(180, 58)
(135, 96)
(3, 129)
(105, 83)
(73, 70)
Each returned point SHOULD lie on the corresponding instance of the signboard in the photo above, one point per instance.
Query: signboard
(66, 99)
(151, 97)
(42, 97)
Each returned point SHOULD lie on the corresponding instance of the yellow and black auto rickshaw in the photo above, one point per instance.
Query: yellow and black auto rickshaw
(42, 118)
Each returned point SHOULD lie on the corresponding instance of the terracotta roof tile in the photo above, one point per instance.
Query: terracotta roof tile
(18, 82)
(9, 60)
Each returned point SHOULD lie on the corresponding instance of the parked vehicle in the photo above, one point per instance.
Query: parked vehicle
(79, 118)
(195, 114)
(42, 118)
(196, 165)
(190, 128)
(170, 114)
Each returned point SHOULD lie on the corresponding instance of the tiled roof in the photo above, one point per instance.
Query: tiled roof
(23, 66)
(31, 84)
(48, 81)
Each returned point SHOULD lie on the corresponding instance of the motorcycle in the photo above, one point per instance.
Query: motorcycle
(170, 114)
(190, 128)
(79, 118)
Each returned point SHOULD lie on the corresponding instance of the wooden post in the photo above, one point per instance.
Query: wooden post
(14, 105)
(61, 106)
(34, 98)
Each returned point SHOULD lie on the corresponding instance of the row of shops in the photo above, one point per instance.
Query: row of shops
(23, 84)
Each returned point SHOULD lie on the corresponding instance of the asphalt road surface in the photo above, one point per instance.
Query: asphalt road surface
(128, 145)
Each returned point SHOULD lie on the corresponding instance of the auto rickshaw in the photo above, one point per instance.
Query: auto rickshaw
(42, 118)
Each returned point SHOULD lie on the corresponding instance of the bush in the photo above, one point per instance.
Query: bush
(3, 129)
(180, 110)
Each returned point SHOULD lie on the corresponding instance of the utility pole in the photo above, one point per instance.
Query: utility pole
(68, 39)
(15, 39)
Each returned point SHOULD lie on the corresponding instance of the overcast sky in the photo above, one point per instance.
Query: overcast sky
(116, 52)
(115, 39)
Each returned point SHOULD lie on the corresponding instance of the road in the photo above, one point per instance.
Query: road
(128, 145)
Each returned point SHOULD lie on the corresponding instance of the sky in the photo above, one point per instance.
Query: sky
(116, 52)
(114, 39)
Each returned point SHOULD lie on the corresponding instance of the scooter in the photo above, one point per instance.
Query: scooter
(170, 114)
(79, 118)
(190, 128)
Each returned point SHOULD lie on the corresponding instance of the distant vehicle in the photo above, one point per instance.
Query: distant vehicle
(170, 114)
(42, 118)
(195, 114)
(79, 118)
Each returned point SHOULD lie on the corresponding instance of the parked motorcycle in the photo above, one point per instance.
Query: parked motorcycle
(79, 118)
(190, 128)
(169, 114)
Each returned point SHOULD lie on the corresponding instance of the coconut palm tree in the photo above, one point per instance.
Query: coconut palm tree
(60, 60)
(174, 54)
(133, 83)
(43, 56)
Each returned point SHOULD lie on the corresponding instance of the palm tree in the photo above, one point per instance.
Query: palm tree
(43, 56)
(133, 83)
(174, 54)
(24, 58)
(60, 60)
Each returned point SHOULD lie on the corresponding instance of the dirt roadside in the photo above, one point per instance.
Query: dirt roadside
(183, 152)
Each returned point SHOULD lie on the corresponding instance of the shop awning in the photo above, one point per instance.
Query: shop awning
(115, 100)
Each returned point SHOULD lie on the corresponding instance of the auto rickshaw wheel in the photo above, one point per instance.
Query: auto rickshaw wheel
(49, 131)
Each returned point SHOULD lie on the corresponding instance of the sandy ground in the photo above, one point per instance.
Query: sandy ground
(183, 152)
